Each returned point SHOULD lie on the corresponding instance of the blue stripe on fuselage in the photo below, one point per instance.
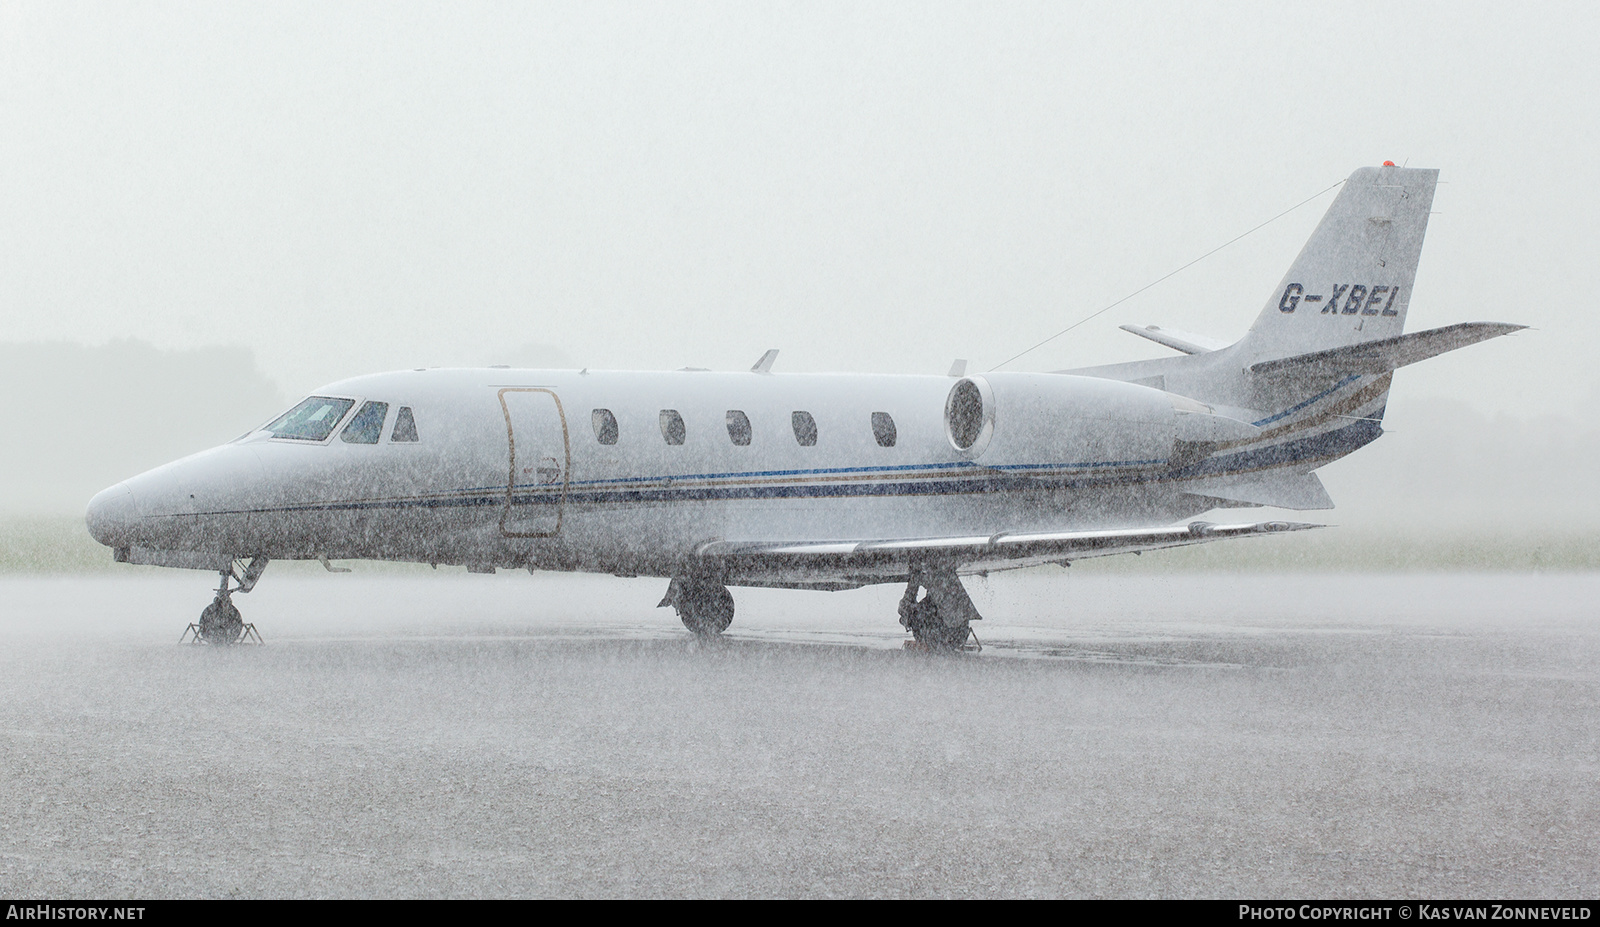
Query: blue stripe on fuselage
(1322, 395)
(1322, 447)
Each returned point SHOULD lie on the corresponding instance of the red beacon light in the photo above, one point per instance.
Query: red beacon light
(1388, 164)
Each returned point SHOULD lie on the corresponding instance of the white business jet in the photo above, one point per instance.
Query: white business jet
(816, 481)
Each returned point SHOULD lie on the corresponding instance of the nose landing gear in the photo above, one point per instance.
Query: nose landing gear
(220, 623)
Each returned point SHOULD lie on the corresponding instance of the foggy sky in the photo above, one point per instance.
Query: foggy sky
(354, 187)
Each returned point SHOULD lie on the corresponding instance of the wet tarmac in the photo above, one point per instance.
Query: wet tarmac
(1200, 735)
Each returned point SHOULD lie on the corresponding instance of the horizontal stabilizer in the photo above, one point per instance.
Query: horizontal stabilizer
(1298, 491)
(1387, 354)
(1176, 340)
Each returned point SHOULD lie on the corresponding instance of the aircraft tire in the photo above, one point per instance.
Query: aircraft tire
(221, 623)
(940, 636)
(929, 629)
(706, 608)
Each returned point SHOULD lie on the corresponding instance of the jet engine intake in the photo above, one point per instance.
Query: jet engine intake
(1048, 420)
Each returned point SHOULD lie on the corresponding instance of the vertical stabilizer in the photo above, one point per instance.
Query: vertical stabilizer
(1312, 376)
(1352, 280)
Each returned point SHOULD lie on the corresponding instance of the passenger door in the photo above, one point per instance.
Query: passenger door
(540, 462)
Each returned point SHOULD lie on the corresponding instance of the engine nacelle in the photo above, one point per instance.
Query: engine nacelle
(1059, 420)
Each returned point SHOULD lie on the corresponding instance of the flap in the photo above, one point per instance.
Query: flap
(846, 563)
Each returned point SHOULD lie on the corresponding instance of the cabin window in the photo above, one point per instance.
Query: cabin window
(312, 420)
(605, 426)
(883, 429)
(738, 428)
(405, 427)
(805, 429)
(366, 426)
(672, 426)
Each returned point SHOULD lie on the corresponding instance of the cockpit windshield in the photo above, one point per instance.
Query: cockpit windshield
(366, 426)
(311, 420)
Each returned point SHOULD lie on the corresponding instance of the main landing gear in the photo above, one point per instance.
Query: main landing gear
(704, 605)
(220, 623)
(942, 619)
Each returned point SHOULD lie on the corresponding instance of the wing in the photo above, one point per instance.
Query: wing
(850, 564)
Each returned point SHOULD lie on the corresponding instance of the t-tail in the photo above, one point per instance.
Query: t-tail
(1352, 282)
(1313, 373)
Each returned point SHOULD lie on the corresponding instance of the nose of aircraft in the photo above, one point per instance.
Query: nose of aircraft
(113, 516)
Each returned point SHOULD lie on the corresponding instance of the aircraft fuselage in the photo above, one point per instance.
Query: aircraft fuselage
(629, 472)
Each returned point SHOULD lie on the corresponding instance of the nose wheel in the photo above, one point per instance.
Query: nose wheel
(220, 623)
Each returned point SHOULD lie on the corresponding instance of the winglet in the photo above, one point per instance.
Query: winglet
(764, 365)
(959, 368)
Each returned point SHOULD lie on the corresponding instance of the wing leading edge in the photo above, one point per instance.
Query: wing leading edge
(850, 564)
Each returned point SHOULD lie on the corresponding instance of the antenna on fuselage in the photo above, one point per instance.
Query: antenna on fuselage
(1099, 312)
(764, 365)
